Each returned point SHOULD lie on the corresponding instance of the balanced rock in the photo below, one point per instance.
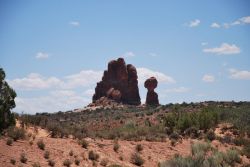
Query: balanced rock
(152, 96)
(119, 83)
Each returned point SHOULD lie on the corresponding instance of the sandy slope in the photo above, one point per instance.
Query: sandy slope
(153, 152)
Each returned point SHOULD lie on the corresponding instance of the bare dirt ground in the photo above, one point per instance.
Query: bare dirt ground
(152, 153)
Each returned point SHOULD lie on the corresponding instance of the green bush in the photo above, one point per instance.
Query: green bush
(9, 141)
(67, 163)
(16, 133)
(51, 163)
(46, 154)
(41, 144)
(137, 159)
(232, 156)
(116, 147)
(13, 161)
(104, 162)
(71, 153)
(23, 158)
(138, 147)
(84, 143)
(210, 135)
(77, 162)
(36, 164)
(93, 156)
(246, 150)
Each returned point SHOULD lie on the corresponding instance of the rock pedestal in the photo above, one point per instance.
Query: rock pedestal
(119, 83)
(152, 96)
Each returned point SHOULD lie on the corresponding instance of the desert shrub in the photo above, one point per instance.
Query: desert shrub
(13, 161)
(93, 156)
(104, 162)
(31, 142)
(114, 165)
(9, 141)
(138, 147)
(239, 141)
(71, 153)
(46, 154)
(36, 164)
(200, 148)
(16, 133)
(137, 159)
(41, 144)
(23, 158)
(84, 143)
(116, 146)
(77, 162)
(226, 139)
(174, 136)
(173, 142)
(232, 156)
(192, 132)
(51, 163)
(246, 150)
(210, 135)
(67, 163)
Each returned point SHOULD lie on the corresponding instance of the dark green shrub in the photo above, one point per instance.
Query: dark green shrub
(193, 132)
(232, 156)
(174, 136)
(137, 159)
(13, 161)
(116, 147)
(246, 150)
(71, 153)
(210, 135)
(67, 163)
(23, 158)
(36, 164)
(138, 147)
(51, 163)
(9, 141)
(16, 133)
(93, 156)
(77, 162)
(46, 154)
(84, 143)
(104, 162)
(41, 144)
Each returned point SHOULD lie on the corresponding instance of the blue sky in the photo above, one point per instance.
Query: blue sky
(54, 52)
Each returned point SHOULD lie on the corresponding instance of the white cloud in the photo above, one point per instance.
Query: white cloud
(34, 81)
(128, 54)
(241, 75)
(145, 73)
(224, 49)
(74, 23)
(208, 78)
(42, 55)
(89, 92)
(83, 78)
(153, 54)
(194, 23)
(245, 20)
(61, 100)
(215, 25)
(178, 90)
(204, 43)
(240, 21)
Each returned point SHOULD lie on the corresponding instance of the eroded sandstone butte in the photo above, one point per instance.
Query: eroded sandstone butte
(119, 83)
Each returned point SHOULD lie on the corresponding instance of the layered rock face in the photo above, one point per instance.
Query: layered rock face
(152, 96)
(119, 83)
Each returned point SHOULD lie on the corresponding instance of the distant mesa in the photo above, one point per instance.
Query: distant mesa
(119, 83)
(152, 96)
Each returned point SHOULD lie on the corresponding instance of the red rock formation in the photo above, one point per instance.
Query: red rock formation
(152, 96)
(119, 83)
